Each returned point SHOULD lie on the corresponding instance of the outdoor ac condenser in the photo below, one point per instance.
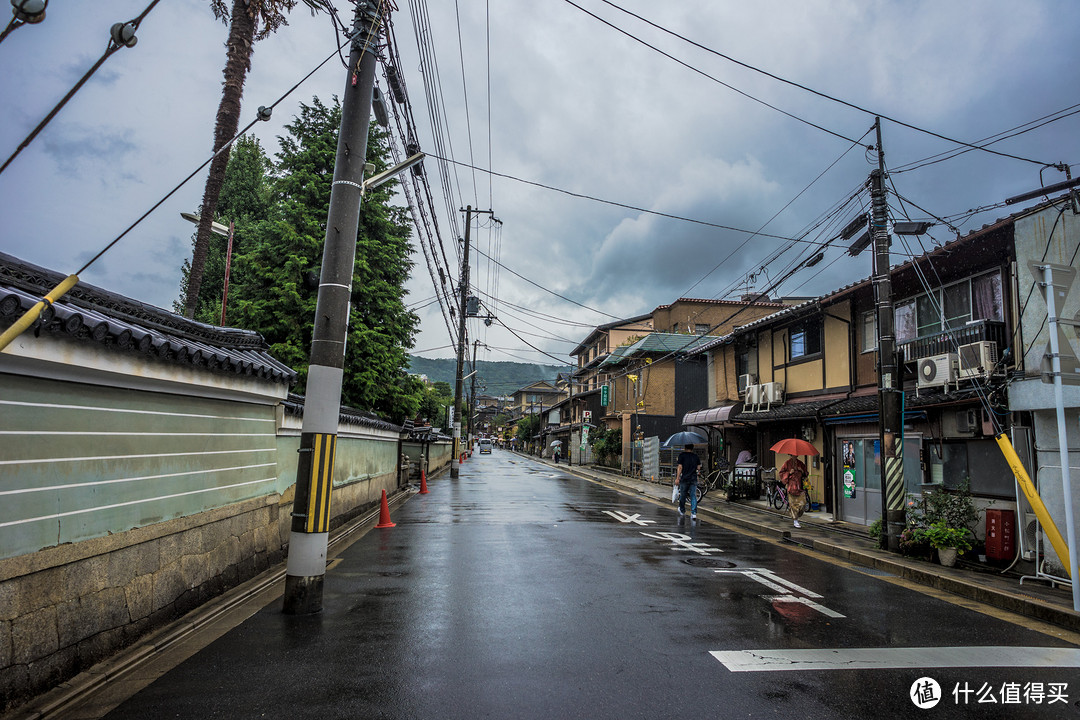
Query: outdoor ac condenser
(753, 397)
(978, 359)
(746, 381)
(773, 392)
(937, 370)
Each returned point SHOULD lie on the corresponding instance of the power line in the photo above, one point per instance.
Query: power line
(705, 74)
(615, 203)
(804, 87)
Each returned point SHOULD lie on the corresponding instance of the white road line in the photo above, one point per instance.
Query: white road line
(895, 658)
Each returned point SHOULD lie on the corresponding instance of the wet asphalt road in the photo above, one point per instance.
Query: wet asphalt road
(518, 591)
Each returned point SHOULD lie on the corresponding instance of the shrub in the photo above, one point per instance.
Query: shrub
(940, 535)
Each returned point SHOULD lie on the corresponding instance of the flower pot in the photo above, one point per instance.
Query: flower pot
(947, 556)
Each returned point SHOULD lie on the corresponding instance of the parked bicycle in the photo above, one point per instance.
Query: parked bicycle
(777, 496)
(716, 478)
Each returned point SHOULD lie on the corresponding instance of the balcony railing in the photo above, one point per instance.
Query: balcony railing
(948, 340)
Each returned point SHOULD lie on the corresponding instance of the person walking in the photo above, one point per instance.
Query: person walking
(686, 477)
(792, 475)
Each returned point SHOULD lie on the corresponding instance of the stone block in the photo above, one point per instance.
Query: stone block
(131, 562)
(34, 636)
(139, 594)
(168, 584)
(14, 686)
(5, 643)
(85, 576)
(105, 610)
(9, 591)
(193, 569)
(71, 628)
(260, 534)
(247, 544)
(39, 590)
(215, 535)
(53, 670)
(100, 646)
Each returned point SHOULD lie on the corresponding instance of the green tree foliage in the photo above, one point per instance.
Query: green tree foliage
(275, 277)
(245, 200)
(527, 427)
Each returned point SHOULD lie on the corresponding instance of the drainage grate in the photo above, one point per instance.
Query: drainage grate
(875, 571)
(708, 562)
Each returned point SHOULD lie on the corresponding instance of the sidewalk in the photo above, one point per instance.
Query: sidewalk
(1034, 599)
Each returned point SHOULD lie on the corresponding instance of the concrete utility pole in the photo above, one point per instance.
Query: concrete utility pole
(464, 295)
(472, 391)
(890, 414)
(306, 565)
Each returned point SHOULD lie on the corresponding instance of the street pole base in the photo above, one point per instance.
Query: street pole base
(896, 522)
(454, 473)
(303, 595)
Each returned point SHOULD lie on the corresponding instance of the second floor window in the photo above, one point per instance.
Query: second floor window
(868, 343)
(950, 307)
(805, 339)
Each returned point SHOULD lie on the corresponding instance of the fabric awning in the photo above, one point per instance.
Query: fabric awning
(710, 416)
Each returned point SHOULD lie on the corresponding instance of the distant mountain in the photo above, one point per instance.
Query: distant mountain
(496, 378)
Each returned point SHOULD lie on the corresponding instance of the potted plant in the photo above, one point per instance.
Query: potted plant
(948, 541)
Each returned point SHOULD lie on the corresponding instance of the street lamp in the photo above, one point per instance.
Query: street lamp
(218, 229)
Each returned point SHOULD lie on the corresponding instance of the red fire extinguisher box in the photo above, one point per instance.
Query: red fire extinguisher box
(1000, 534)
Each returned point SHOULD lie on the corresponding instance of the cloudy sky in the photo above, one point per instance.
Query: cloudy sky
(557, 97)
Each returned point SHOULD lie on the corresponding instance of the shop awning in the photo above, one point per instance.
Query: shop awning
(710, 416)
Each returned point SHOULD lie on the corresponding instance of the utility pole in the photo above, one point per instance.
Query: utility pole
(472, 391)
(890, 413)
(464, 295)
(306, 565)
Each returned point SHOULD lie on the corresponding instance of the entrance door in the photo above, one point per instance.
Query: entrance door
(859, 461)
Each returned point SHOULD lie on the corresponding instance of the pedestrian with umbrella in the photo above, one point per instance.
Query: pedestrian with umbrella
(686, 477)
(793, 473)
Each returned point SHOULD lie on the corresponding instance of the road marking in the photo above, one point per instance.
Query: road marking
(805, 601)
(627, 518)
(679, 541)
(896, 658)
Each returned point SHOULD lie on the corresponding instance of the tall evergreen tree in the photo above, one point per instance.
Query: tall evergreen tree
(245, 200)
(280, 269)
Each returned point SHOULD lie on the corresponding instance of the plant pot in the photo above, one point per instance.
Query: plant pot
(947, 556)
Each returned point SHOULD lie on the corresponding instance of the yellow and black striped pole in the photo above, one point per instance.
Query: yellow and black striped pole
(311, 515)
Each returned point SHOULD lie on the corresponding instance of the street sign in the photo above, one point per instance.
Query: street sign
(605, 395)
(587, 415)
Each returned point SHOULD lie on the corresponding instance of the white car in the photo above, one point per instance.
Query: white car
(485, 447)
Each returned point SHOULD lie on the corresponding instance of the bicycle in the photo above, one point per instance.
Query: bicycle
(777, 496)
(716, 478)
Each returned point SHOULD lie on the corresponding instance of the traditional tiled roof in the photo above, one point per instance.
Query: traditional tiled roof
(654, 343)
(91, 314)
(294, 405)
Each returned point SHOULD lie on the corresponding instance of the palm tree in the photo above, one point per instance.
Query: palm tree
(249, 21)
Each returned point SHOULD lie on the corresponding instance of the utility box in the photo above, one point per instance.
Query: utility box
(1000, 534)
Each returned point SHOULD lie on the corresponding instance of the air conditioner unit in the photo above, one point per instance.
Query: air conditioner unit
(978, 359)
(753, 397)
(772, 393)
(936, 370)
(746, 381)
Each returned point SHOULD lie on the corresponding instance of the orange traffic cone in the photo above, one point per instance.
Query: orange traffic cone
(384, 514)
(423, 483)
(461, 459)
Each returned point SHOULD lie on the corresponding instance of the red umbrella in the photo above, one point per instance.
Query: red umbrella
(794, 446)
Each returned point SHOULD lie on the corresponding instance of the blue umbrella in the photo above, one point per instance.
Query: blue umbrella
(685, 437)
